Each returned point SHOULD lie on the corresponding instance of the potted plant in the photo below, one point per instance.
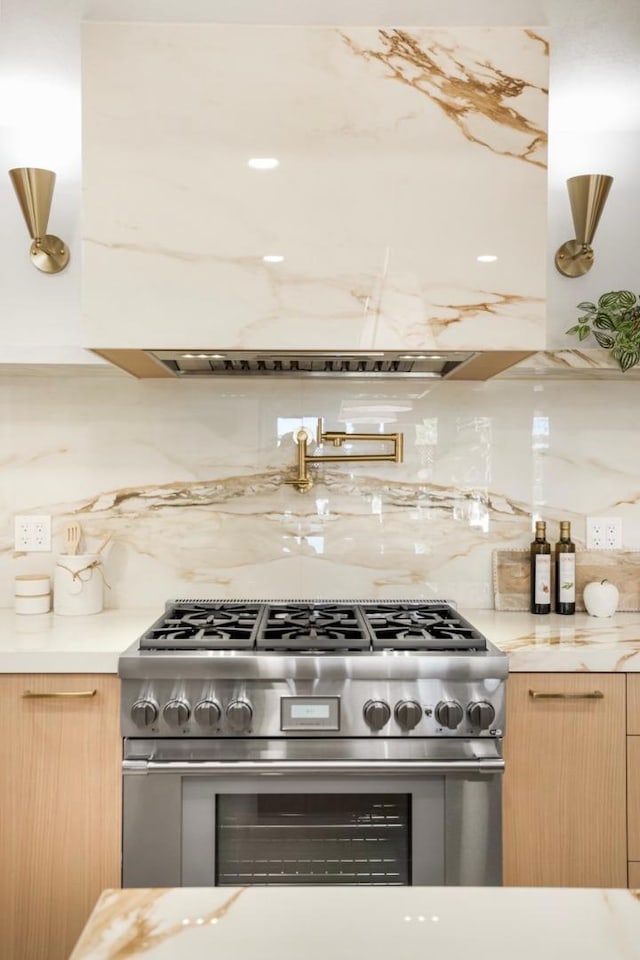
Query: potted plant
(615, 323)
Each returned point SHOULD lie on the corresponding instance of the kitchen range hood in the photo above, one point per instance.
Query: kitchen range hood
(312, 363)
(359, 202)
(323, 364)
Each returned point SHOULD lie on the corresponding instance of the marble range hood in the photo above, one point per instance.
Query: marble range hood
(400, 230)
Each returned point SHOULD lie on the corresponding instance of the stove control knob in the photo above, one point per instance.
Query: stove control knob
(376, 714)
(176, 712)
(449, 713)
(144, 713)
(207, 713)
(239, 715)
(408, 714)
(481, 714)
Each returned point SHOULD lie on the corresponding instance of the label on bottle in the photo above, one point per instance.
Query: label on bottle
(567, 575)
(543, 578)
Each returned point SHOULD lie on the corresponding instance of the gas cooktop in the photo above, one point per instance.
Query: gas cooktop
(312, 626)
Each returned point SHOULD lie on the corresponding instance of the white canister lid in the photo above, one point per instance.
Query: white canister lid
(32, 585)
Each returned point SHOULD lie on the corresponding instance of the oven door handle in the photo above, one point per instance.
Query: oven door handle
(486, 766)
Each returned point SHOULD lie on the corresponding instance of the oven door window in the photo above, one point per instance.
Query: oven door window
(314, 839)
(287, 830)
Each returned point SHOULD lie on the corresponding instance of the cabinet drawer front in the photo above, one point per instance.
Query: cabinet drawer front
(633, 796)
(634, 876)
(564, 786)
(633, 703)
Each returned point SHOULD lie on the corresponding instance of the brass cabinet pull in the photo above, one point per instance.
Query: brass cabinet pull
(592, 695)
(29, 695)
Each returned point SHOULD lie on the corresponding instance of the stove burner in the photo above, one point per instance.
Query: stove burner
(421, 627)
(208, 626)
(312, 627)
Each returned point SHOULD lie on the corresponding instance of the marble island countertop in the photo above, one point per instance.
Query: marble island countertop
(55, 644)
(340, 923)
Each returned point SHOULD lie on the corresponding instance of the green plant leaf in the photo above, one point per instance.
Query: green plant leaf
(587, 306)
(629, 359)
(603, 321)
(583, 333)
(604, 340)
(573, 330)
(608, 299)
(626, 298)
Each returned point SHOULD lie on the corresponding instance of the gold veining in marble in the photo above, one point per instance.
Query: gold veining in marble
(534, 36)
(486, 303)
(123, 925)
(467, 91)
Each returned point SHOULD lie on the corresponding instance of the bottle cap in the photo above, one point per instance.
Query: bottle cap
(565, 525)
(541, 525)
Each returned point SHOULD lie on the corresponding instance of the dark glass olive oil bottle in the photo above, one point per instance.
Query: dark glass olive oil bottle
(540, 553)
(565, 592)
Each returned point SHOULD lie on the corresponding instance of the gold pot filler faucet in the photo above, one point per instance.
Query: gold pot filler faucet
(304, 482)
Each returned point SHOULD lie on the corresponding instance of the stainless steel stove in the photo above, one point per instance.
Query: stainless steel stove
(244, 718)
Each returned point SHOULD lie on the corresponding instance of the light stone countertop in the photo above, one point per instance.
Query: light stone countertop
(54, 644)
(343, 923)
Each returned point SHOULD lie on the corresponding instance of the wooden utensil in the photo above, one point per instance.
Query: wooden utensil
(71, 535)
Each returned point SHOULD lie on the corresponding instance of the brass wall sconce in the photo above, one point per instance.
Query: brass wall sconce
(588, 195)
(303, 482)
(34, 188)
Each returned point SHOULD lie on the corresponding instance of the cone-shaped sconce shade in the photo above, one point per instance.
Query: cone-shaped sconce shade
(588, 195)
(34, 188)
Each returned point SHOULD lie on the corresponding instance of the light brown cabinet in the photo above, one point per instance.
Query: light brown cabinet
(565, 782)
(60, 800)
(633, 776)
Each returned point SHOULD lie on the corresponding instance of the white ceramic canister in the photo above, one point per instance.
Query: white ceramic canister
(32, 593)
(78, 584)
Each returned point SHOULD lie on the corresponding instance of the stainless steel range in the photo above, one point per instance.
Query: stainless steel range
(312, 742)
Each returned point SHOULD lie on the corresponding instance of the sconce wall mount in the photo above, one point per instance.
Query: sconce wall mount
(587, 195)
(34, 189)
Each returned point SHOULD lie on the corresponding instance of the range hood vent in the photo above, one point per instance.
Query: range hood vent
(309, 363)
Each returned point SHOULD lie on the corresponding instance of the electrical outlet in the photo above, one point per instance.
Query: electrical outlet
(604, 533)
(32, 534)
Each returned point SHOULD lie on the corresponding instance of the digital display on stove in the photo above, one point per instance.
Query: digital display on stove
(310, 713)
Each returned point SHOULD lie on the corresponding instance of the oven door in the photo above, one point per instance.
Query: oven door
(292, 812)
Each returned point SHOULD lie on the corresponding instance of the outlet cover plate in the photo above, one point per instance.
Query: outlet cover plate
(32, 533)
(604, 533)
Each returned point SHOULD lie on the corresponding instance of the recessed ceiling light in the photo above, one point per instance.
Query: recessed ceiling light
(263, 163)
(273, 258)
(486, 258)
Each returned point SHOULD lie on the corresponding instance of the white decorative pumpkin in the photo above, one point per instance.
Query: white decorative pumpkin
(601, 598)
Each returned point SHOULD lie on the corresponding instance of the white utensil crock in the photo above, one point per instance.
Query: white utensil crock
(78, 584)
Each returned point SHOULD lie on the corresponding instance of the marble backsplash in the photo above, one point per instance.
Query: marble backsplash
(189, 478)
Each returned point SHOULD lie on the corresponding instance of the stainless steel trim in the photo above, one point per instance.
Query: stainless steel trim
(271, 768)
(343, 364)
(135, 664)
(591, 695)
(319, 752)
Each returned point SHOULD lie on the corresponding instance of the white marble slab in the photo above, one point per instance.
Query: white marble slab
(190, 481)
(404, 154)
(47, 643)
(56, 644)
(377, 923)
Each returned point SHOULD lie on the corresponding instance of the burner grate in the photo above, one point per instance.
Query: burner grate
(208, 626)
(313, 627)
(421, 627)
